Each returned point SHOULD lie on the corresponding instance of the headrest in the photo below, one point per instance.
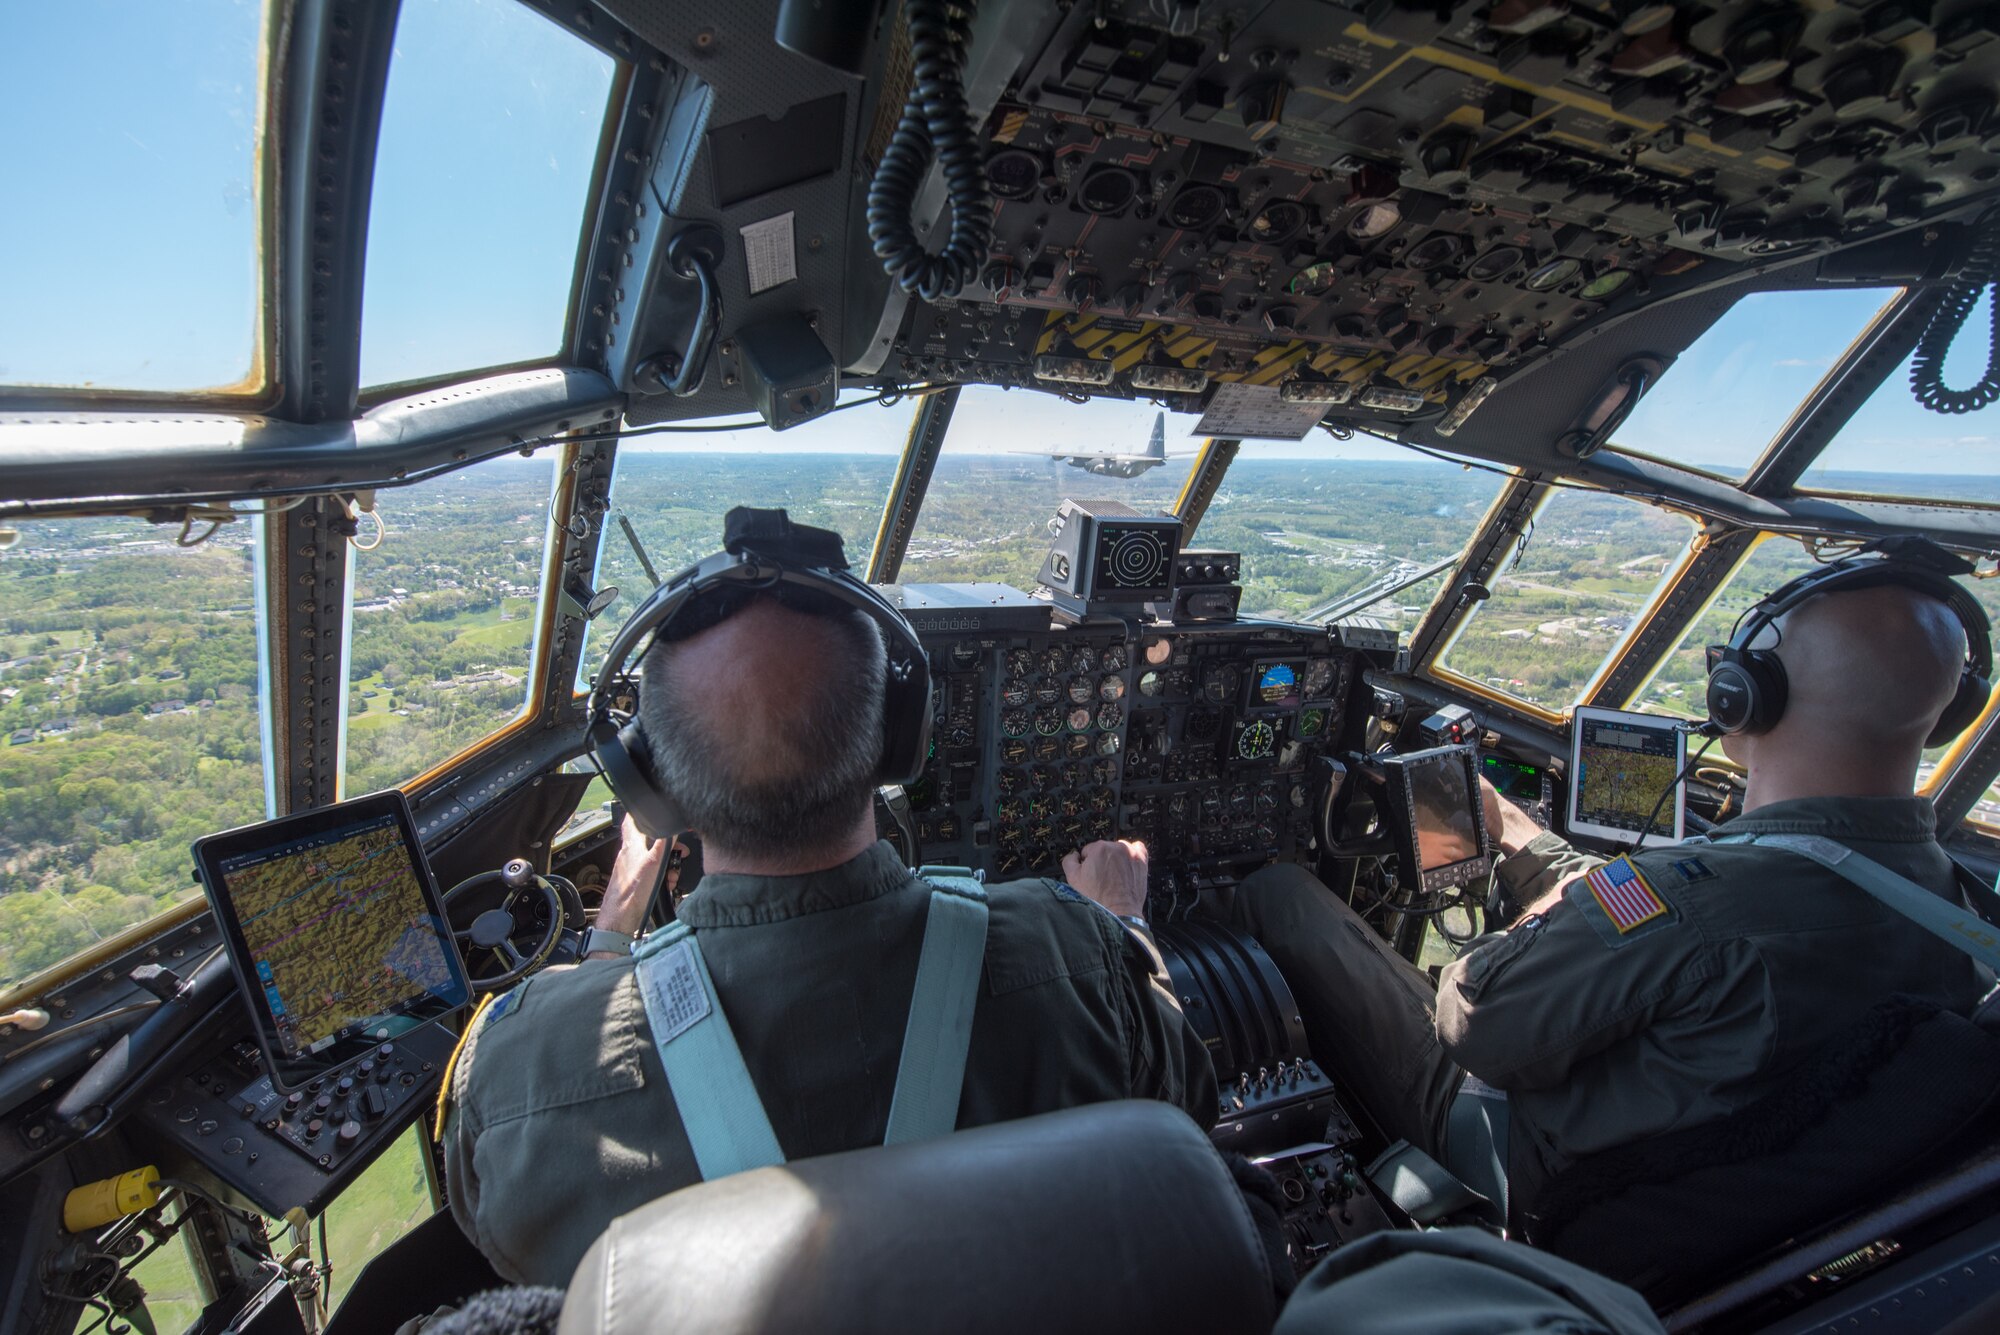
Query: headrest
(1115, 1216)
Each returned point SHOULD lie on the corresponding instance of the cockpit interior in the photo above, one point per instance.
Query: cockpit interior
(1272, 416)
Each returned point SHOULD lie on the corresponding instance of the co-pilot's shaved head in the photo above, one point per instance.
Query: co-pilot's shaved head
(1877, 666)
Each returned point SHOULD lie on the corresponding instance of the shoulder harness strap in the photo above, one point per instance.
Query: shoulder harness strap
(719, 1107)
(1936, 915)
(931, 1074)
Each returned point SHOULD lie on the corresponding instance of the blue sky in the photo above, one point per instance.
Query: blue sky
(133, 133)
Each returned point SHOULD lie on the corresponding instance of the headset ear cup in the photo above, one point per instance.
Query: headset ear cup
(626, 763)
(906, 714)
(1966, 706)
(1746, 691)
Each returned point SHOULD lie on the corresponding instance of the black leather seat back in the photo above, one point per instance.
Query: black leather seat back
(1117, 1216)
(1906, 1091)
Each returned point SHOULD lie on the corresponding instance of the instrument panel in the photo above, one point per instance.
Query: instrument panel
(1196, 739)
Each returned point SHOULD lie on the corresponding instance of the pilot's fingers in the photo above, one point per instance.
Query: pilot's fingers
(1072, 865)
(1137, 848)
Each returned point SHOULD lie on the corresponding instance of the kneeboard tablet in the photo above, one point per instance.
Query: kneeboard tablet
(336, 930)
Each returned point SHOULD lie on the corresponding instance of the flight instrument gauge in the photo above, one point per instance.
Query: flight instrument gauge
(1080, 690)
(1047, 748)
(1014, 723)
(1221, 684)
(1111, 688)
(1083, 660)
(1103, 771)
(1312, 722)
(1048, 692)
(1079, 719)
(1015, 692)
(1006, 864)
(1008, 781)
(1152, 684)
(1107, 744)
(1013, 750)
(1240, 800)
(1099, 799)
(1048, 722)
(1256, 740)
(1114, 659)
(1020, 662)
(1318, 679)
(1109, 716)
(1159, 651)
(958, 735)
(1077, 746)
(965, 654)
(1053, 661)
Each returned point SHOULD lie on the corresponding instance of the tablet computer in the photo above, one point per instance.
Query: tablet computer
(1621, 765)
(336, 930)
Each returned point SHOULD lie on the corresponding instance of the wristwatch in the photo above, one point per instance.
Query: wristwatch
(603, 939)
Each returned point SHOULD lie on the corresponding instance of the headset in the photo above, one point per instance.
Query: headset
(1746, 686)
(764, 555)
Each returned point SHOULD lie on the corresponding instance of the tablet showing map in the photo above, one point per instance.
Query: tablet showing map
(1623, 768)
(335, 928)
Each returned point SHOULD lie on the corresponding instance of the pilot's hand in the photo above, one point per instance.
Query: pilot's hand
(1510, 828)
(1112, 872)
(629, 889)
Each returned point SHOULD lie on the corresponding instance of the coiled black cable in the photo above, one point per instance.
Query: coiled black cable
(935, 121)
(1982, 270)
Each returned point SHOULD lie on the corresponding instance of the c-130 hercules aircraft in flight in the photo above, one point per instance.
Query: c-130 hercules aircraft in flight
(1530, 343)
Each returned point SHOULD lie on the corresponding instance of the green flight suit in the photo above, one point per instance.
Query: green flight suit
(1602, 1037)
(561, 1119)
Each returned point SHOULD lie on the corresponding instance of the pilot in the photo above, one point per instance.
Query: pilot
(765, 729)
(1674, 986)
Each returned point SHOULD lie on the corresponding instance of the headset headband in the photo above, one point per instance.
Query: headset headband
(1913, 563)
(802, 568)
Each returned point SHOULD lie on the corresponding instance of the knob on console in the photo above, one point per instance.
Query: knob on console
(348, 1134)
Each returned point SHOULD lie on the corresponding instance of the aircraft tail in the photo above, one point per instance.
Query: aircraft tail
(1156, 445)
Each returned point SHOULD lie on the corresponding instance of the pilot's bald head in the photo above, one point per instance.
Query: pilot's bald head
(766, 729)
(1875, 667)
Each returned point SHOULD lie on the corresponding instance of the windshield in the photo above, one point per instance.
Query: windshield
(128, 724)
(130, 246)
(1323, 524)
(673, 489)
(1009, 460)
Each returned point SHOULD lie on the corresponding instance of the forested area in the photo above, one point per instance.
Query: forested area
(128, 672)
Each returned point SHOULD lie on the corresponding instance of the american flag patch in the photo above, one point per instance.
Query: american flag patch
(1624, 895)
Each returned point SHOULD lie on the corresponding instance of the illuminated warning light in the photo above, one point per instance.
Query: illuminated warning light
(1467, 405)
(1391, 399)
(1166, 379)
(1329, 392)
(1073, 370)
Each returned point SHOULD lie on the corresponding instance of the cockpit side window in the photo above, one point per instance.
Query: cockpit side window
(128, 724)
(488, 149)
(447, 592)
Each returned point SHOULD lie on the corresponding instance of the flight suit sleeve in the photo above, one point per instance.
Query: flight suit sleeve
(1545, 863)
(1169, 1060)
(1521, 1008)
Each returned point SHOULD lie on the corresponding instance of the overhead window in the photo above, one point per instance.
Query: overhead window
(1894, 446)
(1588, 567)
(1324, 525)
(130, 244)
(128, 725)
(442, 645)
(1724, 399)
(489, 141)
